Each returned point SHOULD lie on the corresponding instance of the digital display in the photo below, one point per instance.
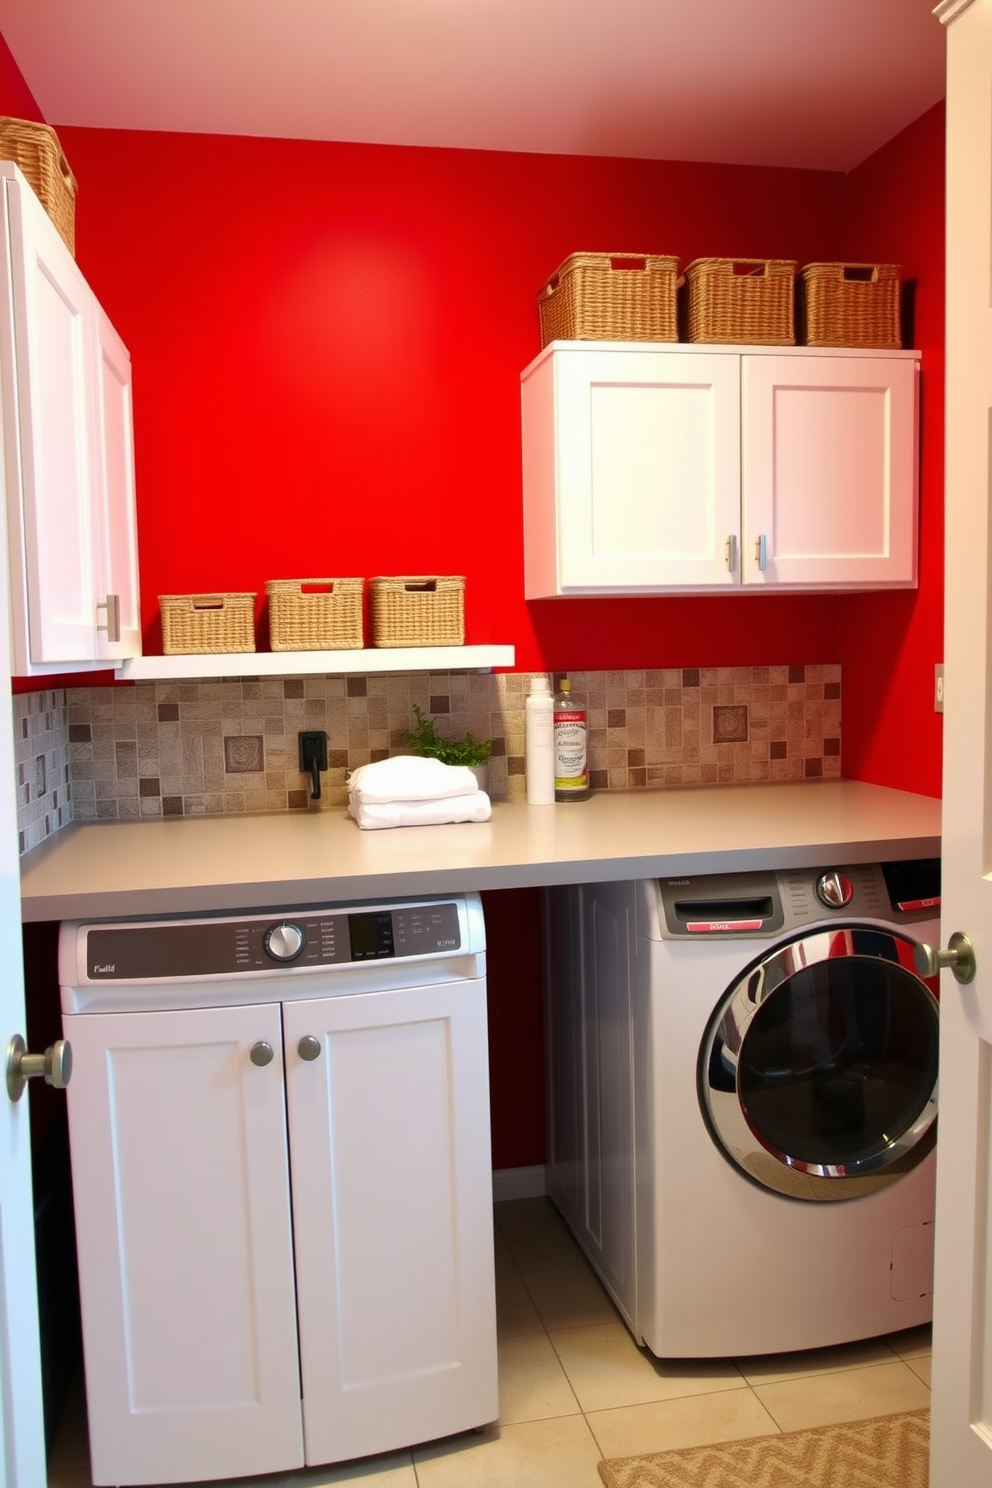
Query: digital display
(371, 936)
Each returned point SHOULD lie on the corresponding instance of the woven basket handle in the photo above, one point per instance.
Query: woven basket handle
(421, 586)
(316, 586)
(618, 262)
(863, 273)
(203, 602)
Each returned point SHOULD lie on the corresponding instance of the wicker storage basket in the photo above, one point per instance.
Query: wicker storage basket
(844, 304)
(418, 611)
(315, 614)
(36, 149)
(749, 300)
(610, 297)
(197, 624)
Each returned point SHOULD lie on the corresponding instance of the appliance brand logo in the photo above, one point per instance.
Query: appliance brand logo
(107, 969)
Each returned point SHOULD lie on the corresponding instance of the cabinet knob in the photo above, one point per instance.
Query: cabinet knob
(55, 1065)
(261, 1054)
(309, 1047)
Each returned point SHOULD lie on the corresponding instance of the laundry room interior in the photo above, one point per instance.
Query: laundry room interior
(328, 337)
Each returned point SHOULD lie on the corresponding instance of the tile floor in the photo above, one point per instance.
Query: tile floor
(575, 1388)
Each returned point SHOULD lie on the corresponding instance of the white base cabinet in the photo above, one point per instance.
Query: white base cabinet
(68, 457)
(675, 468)
(284, 1263)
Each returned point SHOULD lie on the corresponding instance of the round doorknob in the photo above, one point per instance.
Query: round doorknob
(261, 1054)
(959, 956)
(55, 1065)
(309, 1047)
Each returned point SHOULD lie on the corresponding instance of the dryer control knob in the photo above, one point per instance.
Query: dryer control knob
(284, 942)
(834, 889)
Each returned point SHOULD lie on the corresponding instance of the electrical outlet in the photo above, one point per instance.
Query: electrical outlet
(938, 687)
(313, 749)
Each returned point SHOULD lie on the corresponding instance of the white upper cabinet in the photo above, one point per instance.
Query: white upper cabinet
(674, 468)
(68, 453)
(829, 471)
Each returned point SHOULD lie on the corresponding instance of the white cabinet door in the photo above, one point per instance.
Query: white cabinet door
(828, 472)
(631, 471)
(392, 1203)
(49, 460)
(68, 452)
(181, 1194)
(119, 615)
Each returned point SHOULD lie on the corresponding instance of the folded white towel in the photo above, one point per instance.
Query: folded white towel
(410, 777)
(371, 815)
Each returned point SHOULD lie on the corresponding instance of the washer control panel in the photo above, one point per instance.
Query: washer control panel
(759, 903)
(310, 938)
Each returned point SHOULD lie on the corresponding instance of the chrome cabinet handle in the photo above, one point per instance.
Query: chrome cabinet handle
(308, 1048)
(55, 1065)
(959, 956)
(732, 551)
(761, 552)
(112, 605)
(261, 1054)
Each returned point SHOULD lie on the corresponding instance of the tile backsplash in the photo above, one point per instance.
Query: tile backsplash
(196, 748)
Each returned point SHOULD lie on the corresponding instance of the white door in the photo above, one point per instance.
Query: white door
(961, 1453)
(828, 471)
(388, 1098)
(22, 1429)
(177, 1129)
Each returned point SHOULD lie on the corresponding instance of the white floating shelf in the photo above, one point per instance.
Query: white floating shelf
(325, 663)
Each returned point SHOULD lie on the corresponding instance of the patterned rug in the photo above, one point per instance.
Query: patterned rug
(885, 1452)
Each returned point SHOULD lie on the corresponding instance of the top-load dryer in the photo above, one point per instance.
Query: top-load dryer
(743, 1102)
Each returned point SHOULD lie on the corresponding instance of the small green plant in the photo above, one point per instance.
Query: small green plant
(426, 740)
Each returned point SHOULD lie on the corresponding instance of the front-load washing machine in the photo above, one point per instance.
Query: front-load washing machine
(743, 1102)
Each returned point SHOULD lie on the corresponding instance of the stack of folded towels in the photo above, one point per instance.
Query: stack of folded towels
(413, 791)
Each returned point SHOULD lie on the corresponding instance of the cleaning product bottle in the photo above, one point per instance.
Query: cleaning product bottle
(539, 743)
(571, 761)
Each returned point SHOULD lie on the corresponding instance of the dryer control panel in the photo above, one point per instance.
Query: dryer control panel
(757, 904)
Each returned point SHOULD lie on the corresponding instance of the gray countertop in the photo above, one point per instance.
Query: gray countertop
(157, 866)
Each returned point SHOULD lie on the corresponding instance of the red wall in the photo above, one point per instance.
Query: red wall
(327, 341)
(890, 643)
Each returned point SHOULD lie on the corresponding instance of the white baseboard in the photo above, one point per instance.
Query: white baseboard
(519, 1183)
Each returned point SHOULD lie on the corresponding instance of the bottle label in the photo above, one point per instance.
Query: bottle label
(570, 750)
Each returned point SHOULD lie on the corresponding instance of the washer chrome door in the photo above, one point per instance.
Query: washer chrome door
(818, 1071)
